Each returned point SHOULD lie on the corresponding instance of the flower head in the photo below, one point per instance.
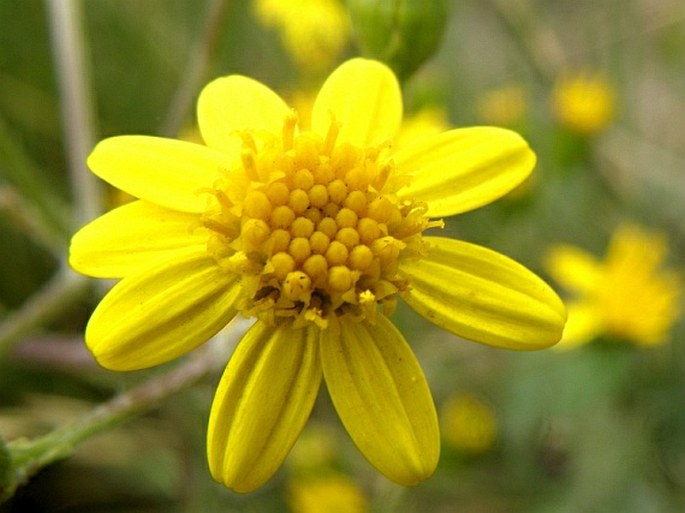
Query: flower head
(468, 423)
(506, 105)
(583, 102)
(335, 493)
(626, 296)
(314, 32)
(429, 121)
(314, 233)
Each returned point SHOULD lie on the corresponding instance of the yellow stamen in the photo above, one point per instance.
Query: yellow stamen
(331, 137)
(336, 253)
(299, 249)
(283, 264)
(319, 242)
(289, 130)
(340, 278)
(301, 227)
(297, 286)
(346, 218)
(298, 201)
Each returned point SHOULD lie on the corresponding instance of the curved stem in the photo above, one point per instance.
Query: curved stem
(29, 456)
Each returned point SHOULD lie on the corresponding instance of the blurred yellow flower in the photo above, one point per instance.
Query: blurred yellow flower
(427, 122)
(316, 448)
(331, 493)
(504, 106)
(468, 423)
(314, 32)
(316, 233)
(626, 296)
(583, 102)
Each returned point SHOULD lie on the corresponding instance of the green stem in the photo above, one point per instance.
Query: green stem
(51, 300)
(30, 196)
(195, 69)
(76, 103)
(536, 40)
(29, 456)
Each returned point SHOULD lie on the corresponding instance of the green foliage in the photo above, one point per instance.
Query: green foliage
(7, 478)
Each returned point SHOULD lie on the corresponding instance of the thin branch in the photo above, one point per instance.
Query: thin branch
(57, 294)
(536, 40)
(195, 69)
(28, 457)
(65, 286)
(65, 353)
(25, 213)
(28, 192)
(76, 102)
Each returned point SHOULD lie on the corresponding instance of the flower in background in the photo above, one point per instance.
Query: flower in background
(314, 32)
(315, 233)
(627, 295)
(427, 122)
(316, 449)
(331, 492)
(313, 484)
(583, 102)
(504, 106)
(468, 423)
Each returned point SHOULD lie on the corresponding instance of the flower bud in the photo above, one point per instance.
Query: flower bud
(402, 33)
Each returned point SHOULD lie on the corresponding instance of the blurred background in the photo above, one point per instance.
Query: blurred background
(598, 90)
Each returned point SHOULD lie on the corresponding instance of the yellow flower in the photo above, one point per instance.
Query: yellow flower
(506, 106)
(468, 423)
(333, 493)
(316, 448)
(314, 32)
(427, 122)
(583, 102)
(309, 232)
(626, 296)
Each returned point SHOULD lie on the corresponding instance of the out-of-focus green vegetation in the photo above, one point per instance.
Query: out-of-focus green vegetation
(600, 428)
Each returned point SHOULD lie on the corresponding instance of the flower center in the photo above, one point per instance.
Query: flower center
(313, 227)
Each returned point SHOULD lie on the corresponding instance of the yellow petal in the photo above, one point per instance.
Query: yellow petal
(573, 268)
(483, 296)
(365, 98)
(382, 397)
(262, 403)
(166, 172)
(133, 237)
(155, 316)
(463, 169)
(633, 250)
(233, 103)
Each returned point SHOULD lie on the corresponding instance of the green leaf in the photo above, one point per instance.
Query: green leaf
(8, 480)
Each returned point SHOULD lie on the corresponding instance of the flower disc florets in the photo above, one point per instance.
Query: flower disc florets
(313, 226)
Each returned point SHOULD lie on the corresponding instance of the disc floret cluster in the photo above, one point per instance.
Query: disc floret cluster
(313, 227)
